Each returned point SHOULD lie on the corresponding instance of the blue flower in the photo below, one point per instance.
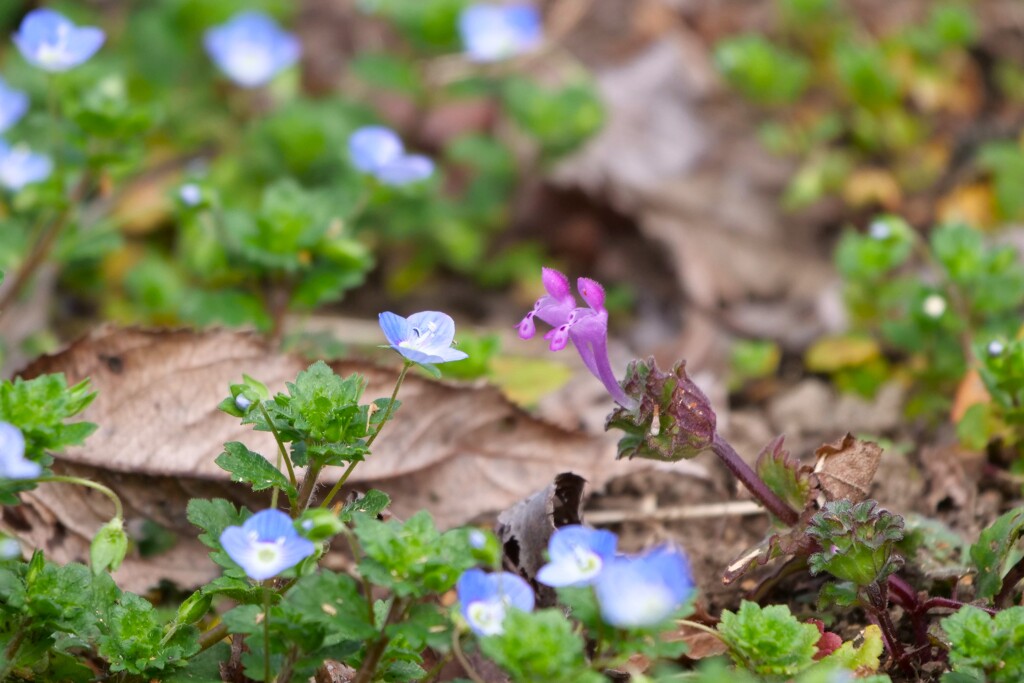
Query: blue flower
(379, 151)
(486, 598)
(49, 40)
(577, 554)
(493, 32)
(13, 464)
(251, 48)
(422, 337)
(9, 548)
(13, 105)
(190, 194)
(266, 544)
(19, 166)
(643, 591)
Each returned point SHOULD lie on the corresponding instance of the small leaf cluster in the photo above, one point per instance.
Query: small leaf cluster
(773, 645)
(1000, 365)
(50, 613)
(985, 647)
(857, 542)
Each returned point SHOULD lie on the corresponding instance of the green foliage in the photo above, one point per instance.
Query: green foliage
(769, 640)
(764, 72)
(252, 468)
(411, 558)
(560, 120)
(134, 639)
(39, 407)
(995, 552)
(857, 541)
(540, 646)
(985, 647)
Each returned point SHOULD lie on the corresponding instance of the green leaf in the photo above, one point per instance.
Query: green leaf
(213, 517)
(252, 468)
(559, 119)
(333, 602)
(371, 504)
(386, 71)
(769, 641)
(784, 475)
(995, 552)
(857, 540)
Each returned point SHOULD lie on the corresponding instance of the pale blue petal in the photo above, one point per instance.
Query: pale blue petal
(84, 43)
(270, 525)
(236, 542)
(12, 442)
(372, 147)
(513, 589)
(472, 586)
(448, 355)
(559, 574)
(395, 327)
(438, 325)
(405, 170)
(251, 48)
(13, 105)
(598, 541)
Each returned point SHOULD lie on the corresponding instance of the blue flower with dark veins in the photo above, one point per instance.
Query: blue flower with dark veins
(251, 48)
(49, 40)
(378, 151)
(486, 598)
(266, 544)
(424, 337)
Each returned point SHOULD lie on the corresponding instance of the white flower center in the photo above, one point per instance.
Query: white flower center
(587, 562)
(487, 616)
(934, 306)
(55, 53)
(422, 337)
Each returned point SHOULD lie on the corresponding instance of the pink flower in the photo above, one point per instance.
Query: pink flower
(586, 327)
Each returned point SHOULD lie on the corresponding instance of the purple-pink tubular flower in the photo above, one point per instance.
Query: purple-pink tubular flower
(586, 327)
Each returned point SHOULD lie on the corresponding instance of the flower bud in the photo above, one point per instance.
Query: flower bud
(194, 608)
(673, 419)
(319, 524)
(109, 546)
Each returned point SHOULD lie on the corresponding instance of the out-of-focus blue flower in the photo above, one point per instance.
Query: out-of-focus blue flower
(9, 548)
(477, 539)
(49, 40)
(20, 166)
(13, 463)
(424, 337)
(251, 48)
(486, 598)
(642, 591)
(576, 556)
(13, 105)
(379, 151)
(266, 544)
(493, 32)
(190, 194)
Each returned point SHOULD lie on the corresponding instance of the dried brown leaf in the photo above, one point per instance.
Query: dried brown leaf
(845, 468)
(456, 450)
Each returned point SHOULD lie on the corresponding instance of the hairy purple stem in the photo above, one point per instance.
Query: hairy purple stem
(754, 484)
(903, 594)
(949, 603)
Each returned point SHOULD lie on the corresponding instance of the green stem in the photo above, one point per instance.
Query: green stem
(308, 486)
(376, 649)
(12, 648)
(266, 633)
(373, 437)
(213, 636)
(282, 452)
(61, 479)
(463, 660)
